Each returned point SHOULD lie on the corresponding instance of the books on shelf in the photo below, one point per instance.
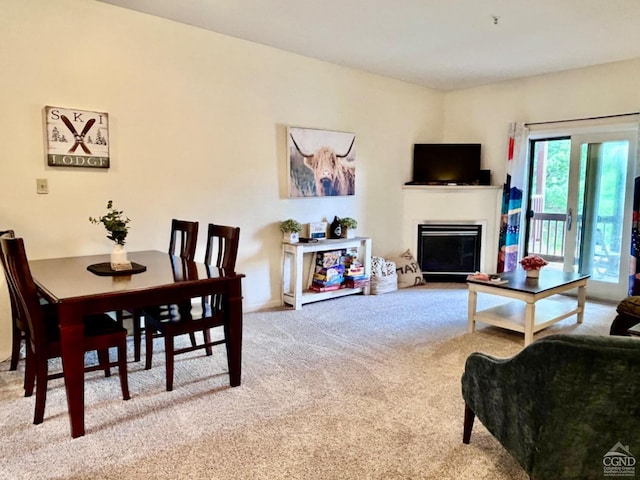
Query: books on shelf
(319, 288)
(335, 269)
(329, 258)
(356, 282)
(354, 269)
(329, 274)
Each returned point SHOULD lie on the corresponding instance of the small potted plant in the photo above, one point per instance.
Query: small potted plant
(349, 226)
(532, 265)
(117, 225)
(290, 230)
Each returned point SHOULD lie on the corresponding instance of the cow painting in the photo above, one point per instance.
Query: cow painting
(322, 163)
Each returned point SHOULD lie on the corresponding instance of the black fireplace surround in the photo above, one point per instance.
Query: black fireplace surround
(448, 252)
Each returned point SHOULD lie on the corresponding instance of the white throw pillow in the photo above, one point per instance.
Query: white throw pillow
(409, 271)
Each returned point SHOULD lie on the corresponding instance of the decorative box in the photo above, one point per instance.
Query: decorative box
(318, 230)
(328, 259)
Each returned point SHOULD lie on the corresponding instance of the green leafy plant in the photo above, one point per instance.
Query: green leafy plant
(115, 223)
(290, 226)
(348, 222)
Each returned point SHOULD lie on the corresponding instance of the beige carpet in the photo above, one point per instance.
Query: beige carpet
(351, 388)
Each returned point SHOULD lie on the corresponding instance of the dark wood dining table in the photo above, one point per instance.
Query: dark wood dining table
(76, 292)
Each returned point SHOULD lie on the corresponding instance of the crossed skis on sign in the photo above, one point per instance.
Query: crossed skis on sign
(79, 137)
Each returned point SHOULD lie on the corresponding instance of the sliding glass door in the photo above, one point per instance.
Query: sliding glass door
(579, 209)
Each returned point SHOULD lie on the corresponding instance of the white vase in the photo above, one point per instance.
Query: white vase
(119, 258)
(533, 273)
(290, 237)
(348, 233)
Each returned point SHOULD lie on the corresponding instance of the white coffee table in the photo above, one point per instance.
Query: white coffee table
(531, 310)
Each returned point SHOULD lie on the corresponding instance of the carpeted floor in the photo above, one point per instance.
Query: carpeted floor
(351, 388)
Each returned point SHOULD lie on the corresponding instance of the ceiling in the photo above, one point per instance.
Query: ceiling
(442, 44)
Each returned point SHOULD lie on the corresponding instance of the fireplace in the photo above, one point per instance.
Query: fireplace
(449, 205)
(449, 252)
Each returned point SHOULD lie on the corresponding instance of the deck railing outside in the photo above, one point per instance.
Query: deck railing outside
(547, 235)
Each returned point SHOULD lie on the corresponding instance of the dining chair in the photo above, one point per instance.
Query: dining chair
(222, 241)
(189, 317)
(184, 239)
(18, 326)
(101, 332)
(182, 243)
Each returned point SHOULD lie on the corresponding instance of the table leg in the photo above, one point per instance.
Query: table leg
(72, 346)
(287, 274)
(529, 317)
(234, 335)
(473, 303)
(297, 280)
(582, 298)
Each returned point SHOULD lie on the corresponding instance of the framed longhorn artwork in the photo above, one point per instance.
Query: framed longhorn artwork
(322, 163)
(76, 138)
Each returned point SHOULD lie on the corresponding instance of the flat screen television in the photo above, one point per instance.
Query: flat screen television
(444, 163)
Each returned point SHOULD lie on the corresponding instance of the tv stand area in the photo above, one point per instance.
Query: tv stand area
(440, 184)
(448, 188)
(293, 254)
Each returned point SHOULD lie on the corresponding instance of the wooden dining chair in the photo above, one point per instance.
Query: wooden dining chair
(18, 325)
(182, 243)
(101, 332)
(184, 239)
(19, 328)
(222, 241)
(188, 317)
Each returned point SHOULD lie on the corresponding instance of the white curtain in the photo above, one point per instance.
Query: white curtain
(515, 188)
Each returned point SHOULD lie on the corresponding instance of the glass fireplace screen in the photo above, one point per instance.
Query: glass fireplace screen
(447, 251)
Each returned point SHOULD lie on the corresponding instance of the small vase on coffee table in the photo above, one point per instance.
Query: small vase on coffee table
(534, 273)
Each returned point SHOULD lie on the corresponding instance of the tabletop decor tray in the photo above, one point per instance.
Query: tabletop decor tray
(486, 278)
(104, 269)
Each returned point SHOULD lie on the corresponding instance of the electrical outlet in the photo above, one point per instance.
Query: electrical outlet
(42, 185)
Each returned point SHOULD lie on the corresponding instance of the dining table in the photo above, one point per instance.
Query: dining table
(165, 279)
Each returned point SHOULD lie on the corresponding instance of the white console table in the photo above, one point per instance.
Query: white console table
(294, 291)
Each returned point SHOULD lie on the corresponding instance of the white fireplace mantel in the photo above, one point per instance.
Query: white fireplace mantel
(455, 204)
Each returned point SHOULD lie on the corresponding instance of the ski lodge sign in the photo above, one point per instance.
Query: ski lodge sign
(77, 138)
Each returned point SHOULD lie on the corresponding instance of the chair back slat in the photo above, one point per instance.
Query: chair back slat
(184, 239)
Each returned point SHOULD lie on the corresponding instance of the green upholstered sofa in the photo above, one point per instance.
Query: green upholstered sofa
(561, 404)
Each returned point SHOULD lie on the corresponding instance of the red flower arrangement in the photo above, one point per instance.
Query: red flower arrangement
(533, 262)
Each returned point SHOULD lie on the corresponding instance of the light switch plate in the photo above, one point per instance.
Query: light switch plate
(42, 185)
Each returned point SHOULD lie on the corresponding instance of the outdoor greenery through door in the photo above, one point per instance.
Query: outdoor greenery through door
(579, 206)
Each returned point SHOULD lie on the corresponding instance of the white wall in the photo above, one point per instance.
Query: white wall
(483, 114)
(197, 131)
